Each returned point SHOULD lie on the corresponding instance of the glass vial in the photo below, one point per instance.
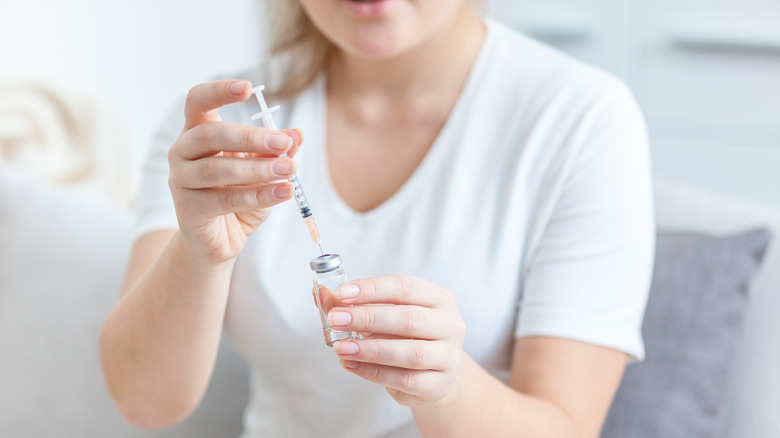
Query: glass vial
(328, 276)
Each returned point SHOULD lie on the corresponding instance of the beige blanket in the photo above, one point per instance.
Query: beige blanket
(62, 135)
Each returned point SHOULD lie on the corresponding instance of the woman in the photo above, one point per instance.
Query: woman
(493, 191)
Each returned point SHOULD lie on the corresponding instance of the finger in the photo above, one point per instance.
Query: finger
(411, 354)
(203, 100)
(297, 137)
(426, 384)
(367, 335)
(399, 320)
(395, 289)
(227, 171)
(226, 200)
(209, 139)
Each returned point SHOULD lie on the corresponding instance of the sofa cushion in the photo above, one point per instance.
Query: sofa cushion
(62, 258)
(692, 325)
(754, 389)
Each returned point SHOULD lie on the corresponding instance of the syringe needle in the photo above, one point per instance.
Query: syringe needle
(313, 231)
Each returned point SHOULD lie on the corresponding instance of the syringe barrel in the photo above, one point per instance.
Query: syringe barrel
(268, 121)
(300, 197)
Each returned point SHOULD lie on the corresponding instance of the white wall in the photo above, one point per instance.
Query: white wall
(135, 57)
(706, 73)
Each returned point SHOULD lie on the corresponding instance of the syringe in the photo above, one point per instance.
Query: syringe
(300, 197)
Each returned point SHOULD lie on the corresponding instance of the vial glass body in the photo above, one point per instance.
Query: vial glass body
(325, 284)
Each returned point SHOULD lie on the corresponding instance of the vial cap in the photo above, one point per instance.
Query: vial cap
(325, 263)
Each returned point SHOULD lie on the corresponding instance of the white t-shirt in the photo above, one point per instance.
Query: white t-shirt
(533, 206)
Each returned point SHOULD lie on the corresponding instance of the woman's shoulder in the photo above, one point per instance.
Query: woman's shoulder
(522, 64)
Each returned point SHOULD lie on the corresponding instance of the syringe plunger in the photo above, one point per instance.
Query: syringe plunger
(300, 197)
(265, 112)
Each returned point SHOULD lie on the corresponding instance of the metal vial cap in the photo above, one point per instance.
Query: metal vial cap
(325, 263)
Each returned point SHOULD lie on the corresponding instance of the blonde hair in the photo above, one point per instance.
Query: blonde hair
(294, 37)
(301, 47)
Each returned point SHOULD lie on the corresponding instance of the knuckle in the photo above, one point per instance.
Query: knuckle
(371, 288)
(449, 297)
(375, 375)
(172, 181)
(186, 199)
(174, 170)
(173, 153)
(407, 378)
(173, 176)
(208, 169)
(253, 170)
(412, 320)
(247, 138)
(371, 351)
(418, 355)
(405, 284)
(458, 327)
(204, 133)
(461, 328)
(368, 318)
(262, 198)
(192, 96)
(228, 199)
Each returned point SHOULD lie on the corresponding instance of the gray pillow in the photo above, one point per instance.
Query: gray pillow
(694, 315)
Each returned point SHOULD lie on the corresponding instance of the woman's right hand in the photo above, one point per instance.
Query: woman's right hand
(225, 177)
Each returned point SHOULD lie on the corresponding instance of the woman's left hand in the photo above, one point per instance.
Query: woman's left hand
(412, 347)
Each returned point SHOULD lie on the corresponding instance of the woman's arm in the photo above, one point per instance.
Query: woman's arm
(158, 345)
(558, 388)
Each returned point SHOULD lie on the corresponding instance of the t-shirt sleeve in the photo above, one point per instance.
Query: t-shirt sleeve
(590, 274)
(153, 208)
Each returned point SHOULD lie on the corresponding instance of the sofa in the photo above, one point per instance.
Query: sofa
(62, 258)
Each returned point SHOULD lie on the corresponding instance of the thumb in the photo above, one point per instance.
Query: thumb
(204, 100)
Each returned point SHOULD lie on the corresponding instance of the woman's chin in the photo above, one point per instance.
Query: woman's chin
(376, 47)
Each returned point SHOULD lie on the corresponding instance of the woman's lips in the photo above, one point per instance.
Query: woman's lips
(370, 8)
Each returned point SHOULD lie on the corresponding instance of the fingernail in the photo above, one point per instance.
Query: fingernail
(346, 347)
(300, 134)
(282, 168)
(339, 318)
(283, 191)
(351, 364)
(239, 87)
(278, 142)
(348, 291)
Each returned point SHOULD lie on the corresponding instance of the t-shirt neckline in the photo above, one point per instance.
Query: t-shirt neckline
(415, 181)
